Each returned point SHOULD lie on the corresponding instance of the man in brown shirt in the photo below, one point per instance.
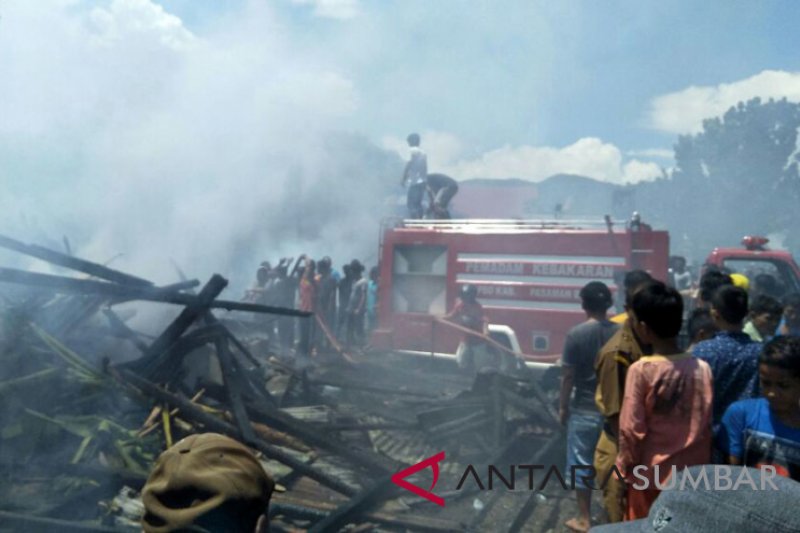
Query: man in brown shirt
(611, 366)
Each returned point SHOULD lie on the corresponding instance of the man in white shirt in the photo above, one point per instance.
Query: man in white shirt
(414, 176)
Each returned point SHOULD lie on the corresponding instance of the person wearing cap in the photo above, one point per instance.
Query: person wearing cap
(665, 420)
(741, 281)
(414, 175)
(611, 367)
(469, 313)
(579, 413)
(207, 482)
(725, 499)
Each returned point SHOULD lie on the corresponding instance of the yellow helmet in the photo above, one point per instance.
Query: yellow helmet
(741, 281)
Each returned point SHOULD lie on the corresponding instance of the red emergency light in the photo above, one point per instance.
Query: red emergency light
(753, 242)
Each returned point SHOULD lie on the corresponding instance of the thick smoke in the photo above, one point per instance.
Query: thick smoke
(130, 134)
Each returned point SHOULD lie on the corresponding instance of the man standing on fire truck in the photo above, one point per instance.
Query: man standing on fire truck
(469, 313)
(414, 176)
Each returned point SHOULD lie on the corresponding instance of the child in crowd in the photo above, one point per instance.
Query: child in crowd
(700, 327)
(790, 324)
(766, 430)
(667, 408)
(764, 318)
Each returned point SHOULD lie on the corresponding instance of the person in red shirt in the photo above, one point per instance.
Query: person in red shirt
(469, 313)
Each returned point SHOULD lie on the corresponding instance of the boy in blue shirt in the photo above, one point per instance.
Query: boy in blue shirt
(766, 431)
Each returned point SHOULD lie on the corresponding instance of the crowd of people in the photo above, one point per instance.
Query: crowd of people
(636, 394)
(344, 305)
(646, 395)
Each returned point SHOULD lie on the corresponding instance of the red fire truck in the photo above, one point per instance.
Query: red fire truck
(528, 274)
(755, 258)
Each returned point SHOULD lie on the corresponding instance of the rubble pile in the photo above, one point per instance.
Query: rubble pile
(88, 403)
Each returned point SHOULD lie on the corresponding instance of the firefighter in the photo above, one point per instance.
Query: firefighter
(441, 189)
(469, 313)
(414, 176)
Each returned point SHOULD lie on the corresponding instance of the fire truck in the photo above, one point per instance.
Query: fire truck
(528, 274)
(754, 259)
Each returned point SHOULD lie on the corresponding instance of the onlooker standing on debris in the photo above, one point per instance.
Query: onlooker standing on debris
(372, 299)
(765, 316)
(285, 287)
(441, 189)
(766, 431)
(732, 354)
(469, 313)
(260, 293)
(666, 412)
(326, 298)
(308, 301)
(579, 413)
(345, 288)
(790, 324)
(611, 366)
(357, 306)
(414, 176)
(207, 482)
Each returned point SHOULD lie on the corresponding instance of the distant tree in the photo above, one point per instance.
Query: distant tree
(738, 176)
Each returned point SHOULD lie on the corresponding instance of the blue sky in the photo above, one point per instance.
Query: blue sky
(526, 72)
(513, 88)
(190, 110)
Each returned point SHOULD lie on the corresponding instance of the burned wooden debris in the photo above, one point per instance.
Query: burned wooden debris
(89, 402)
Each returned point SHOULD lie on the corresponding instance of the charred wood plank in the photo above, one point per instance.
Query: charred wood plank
(39, 523)
(539, 413)
(192, 413)
(524, 513)
(356, 507)
(233, 385)
(73, 263)
(368, 426)
(122, 329)
(182, 322)
(123, 293)
(371, 388)
(315, 511)
(311, 434)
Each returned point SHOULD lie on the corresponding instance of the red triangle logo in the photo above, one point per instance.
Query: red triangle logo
(399, 478)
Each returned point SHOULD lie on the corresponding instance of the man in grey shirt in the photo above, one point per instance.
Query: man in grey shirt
(579, 413)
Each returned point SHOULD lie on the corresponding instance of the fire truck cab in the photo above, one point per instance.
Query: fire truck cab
(754, 259)
(528, 274)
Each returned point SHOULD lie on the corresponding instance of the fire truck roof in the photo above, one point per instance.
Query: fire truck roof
(511, 225)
